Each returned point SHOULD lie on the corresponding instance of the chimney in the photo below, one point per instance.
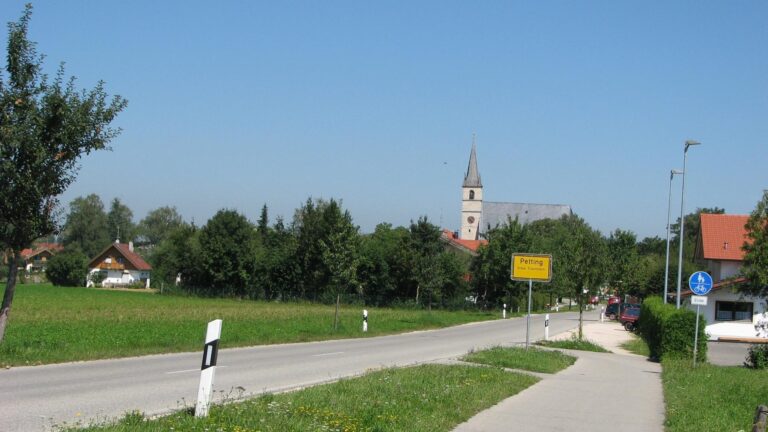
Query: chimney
(130, 246)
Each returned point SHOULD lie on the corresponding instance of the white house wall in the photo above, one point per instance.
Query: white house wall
(717, 329)
(119, 277)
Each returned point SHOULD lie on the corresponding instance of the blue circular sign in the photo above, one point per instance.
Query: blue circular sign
(700, 283)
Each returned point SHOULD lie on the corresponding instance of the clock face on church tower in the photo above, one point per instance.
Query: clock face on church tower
(471, 219)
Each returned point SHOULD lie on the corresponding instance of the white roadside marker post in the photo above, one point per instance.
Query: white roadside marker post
(504, 311)
(546, 327)
(365, 320)
(602, 314)
(208, 369)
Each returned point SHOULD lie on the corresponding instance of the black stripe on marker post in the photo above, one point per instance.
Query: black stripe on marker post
(210, 352)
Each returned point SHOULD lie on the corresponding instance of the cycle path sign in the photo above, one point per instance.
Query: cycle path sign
(700, 283)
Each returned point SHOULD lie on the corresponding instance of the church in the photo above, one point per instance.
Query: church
(479, 216)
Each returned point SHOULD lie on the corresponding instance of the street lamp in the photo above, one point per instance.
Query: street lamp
(669, 210)
(688, 143)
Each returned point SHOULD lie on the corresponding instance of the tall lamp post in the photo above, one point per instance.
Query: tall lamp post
(669, 211)
(688, 143)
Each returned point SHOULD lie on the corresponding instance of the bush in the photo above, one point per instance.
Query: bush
(669, 332)
(757, 357)
(68, 268)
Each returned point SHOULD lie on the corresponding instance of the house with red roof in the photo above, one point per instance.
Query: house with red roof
(36, 259)
(118, 265)
(729, 313)
(453, 242)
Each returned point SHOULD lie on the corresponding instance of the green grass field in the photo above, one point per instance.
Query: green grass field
(428, 398)
(574, 344)
(52, 324)
(532, 359)
(712, 398)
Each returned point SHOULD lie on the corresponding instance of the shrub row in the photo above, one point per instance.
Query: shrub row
(669, 332)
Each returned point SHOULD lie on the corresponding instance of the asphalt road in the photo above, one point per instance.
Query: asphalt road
(41, 397)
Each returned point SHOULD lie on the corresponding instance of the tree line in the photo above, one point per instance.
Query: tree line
(320, 254)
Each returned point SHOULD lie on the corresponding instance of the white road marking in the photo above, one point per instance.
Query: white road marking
(188, 370)
(328, 354)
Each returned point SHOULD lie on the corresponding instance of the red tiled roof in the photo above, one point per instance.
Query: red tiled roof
(722, 236)
(472, 245)
(133, 257)
(51, 247)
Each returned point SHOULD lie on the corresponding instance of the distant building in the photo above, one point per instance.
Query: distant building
(479, 216)
(36, 259)
(118, 265)
(729, 313)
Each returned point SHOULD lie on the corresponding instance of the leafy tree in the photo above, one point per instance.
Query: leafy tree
(67, 268)
(491, 267)
(385, 270)
(583, 257)
(120, 222)
(158, 224)
(86, 227)
(755, 268)
(229, 249)
(279, 272)
(45, 127)
(623, 259)
(425, 246)
(340, 257)
(178, 255)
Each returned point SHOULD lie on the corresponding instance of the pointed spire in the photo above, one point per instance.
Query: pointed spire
(472, 179)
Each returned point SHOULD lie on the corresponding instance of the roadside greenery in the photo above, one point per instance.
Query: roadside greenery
(427, 398)
(711, 398)
(669, 332)
(46, 127)
(637, 346)
(755, 267)
(532, 359)
(574, 343)
(53, 325)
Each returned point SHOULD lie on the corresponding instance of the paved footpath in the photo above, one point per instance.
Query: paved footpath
(600, 392)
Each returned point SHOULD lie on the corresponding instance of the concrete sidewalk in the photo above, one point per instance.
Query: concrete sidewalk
(600, 392)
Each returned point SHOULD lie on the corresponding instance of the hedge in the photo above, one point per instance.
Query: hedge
(669, 331)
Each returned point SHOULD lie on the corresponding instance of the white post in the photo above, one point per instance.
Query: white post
(208, 369)
(546, 327)
(365, 320)
(504, 311)
(696, 336)
(602, 314)
(528, 320)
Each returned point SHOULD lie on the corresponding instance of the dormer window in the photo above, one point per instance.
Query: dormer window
(471, 194)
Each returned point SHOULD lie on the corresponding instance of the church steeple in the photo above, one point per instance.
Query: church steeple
(471, 199)
(472, 178)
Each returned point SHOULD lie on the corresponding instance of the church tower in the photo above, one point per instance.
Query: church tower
(471, 199)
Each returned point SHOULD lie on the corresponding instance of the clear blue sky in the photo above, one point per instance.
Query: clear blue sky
(237, 104)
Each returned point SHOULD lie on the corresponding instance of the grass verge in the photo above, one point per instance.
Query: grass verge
(425, 398)
(52, 324)
(711, 398)
(533, 359)
(574, 344)
(637, 346)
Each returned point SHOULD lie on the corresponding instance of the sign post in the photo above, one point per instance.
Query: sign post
(531, 267)
(700, 284)
(208, 369)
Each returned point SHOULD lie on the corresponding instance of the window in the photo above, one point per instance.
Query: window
(733, 311)
(471, 194)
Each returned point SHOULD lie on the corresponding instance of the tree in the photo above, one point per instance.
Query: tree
(229, 250)
(67, 268)
(158, 225)
(755, 268)
(45, 128)
(120, 222)
(425, 247)
(86, 227)
(623, 259)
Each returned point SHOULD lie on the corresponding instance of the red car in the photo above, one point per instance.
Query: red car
(629, 318)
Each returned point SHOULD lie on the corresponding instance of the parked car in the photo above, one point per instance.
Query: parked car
(629, 318)
(611, 310)
(594, 300)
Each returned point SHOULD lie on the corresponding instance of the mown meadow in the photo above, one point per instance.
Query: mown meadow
(54, 324)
